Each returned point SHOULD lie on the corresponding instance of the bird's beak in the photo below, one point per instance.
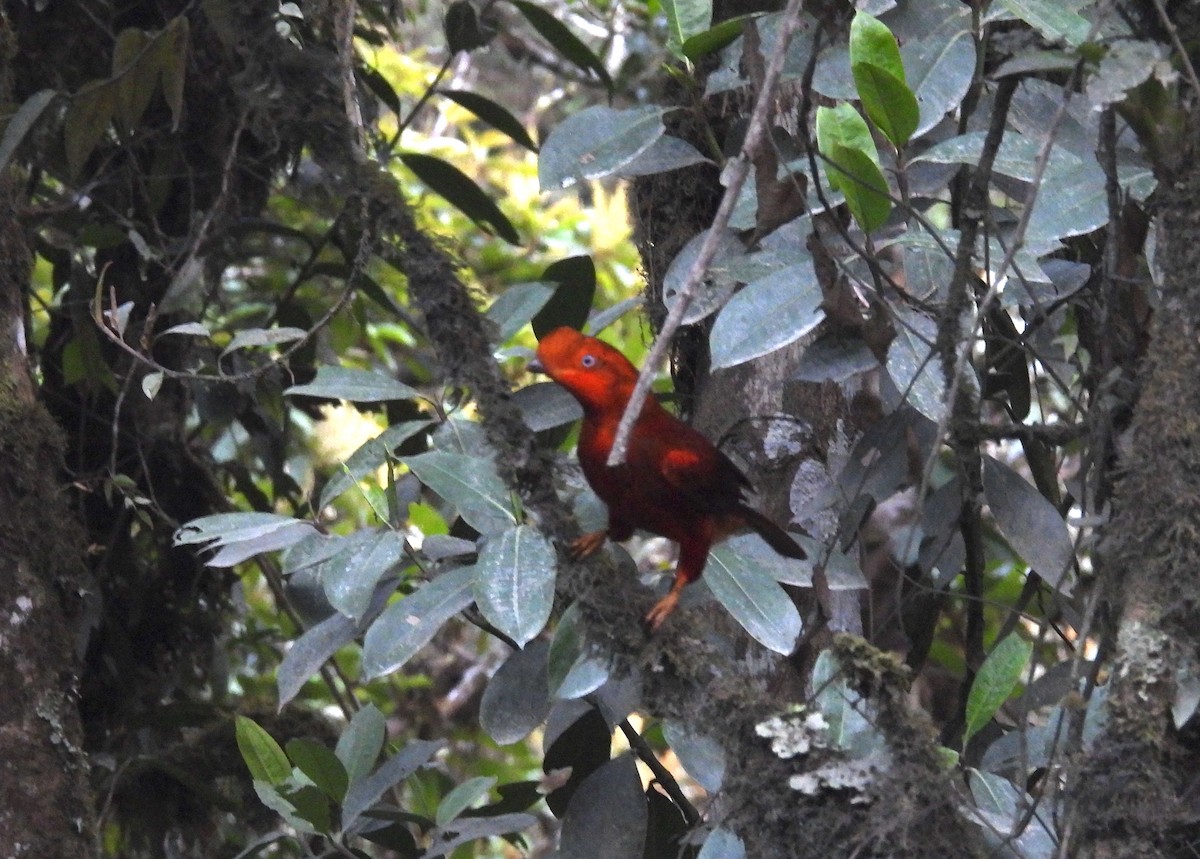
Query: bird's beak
(535, 366)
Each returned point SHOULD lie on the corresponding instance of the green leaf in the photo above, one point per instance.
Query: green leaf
(470, 484)
(284, 807)
(462, 192)
(493, 114)
(888, 101)
(311, 806)
(263, 756)
(172, 62)
(842, 125)
(88, 114)
(844, 710)
(22, 122)
(139, 82)
(573, 297)
(720, 280)
(563, 40)
(715, 38)
(996, 680)
(685, 19)
(853, 164)
(766, 315)
(321, 766)
(461, 798)
(863, 184)
(309, 652)
(358, 386)
(1030, 523)
(546, 405)
(596, 142)
(408, 625)
(360, 743)
(754, 598)
(872, 43)
(514, 582)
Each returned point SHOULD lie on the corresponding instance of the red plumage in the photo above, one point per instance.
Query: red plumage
(674, 481)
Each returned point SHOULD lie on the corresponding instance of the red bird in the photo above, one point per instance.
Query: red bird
(674, 481)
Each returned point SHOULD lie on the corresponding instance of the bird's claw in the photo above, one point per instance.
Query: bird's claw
(655, 617)
(586, 545)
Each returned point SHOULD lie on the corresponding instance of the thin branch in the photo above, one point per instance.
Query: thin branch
(1184, 56)
(639, 745)
(735, 174)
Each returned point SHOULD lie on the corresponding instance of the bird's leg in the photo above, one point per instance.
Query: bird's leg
(655, 617)
(692, 557)
(586, 545)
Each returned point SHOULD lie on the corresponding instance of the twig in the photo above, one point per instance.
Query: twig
(1184, 56)
(735, 175)
(639, 745)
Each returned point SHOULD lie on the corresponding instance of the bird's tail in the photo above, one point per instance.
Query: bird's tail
(777, 538)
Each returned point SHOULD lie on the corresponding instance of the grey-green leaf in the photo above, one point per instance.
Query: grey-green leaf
(546, 405)
(606, 817)
(360, 743)
(913, 367)
(238, 536)
(514, 582)
(366, 792)
(517, 698)
(470, 483)
(358, 386)
(596, 142)
(264, 337)
(573, 670)
(1030, 523)
(721, 843)
(755, 599)
(369, 458)
(461, 797)
(701, 755)
(516, 306)
(766, 315)
(406, 626)
(349, 577)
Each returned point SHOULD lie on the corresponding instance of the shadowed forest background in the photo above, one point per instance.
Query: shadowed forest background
(282, 552)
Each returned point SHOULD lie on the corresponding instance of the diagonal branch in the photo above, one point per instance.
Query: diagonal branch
(734, 174)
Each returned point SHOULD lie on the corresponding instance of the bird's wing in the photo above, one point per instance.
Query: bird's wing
(699, 471)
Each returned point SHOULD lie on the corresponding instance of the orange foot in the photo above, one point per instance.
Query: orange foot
(655, 617)
(586, 545)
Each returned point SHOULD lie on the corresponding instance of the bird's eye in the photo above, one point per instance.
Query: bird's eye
(588, 360)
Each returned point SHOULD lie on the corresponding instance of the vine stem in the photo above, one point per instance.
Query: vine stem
(734, 176)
